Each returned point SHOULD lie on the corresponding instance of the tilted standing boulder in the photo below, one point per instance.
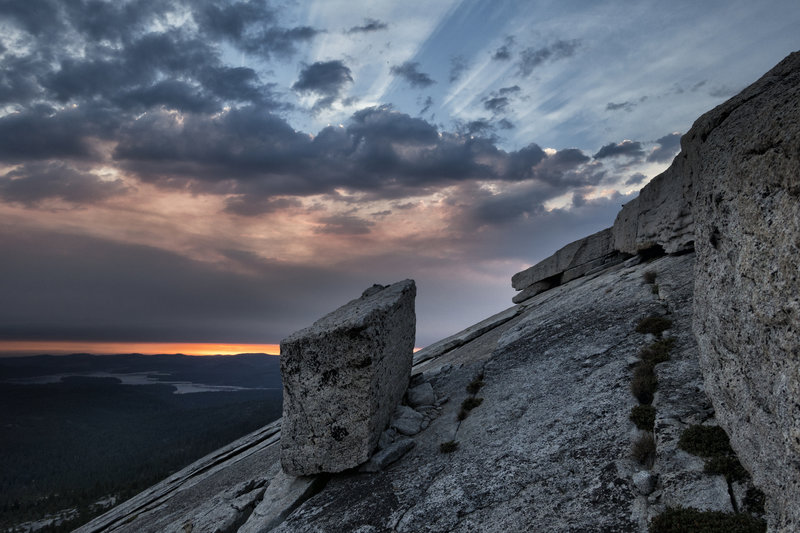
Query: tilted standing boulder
(343, 377)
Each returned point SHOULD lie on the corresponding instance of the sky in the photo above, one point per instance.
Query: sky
(216, 172)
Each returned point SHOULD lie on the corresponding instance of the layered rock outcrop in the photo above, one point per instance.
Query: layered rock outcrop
(660, 217)
(574, 260)
(743, 159)
(343, 377)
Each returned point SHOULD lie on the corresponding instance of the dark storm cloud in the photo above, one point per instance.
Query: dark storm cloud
(18, 79)
(252, 27)
(458, 65)
(410, 72)
(43, 133)
(531, 57)
(128, 65)
(255, 155)
(114, 285)
(547, 177)
(324, 78)
(480, 127)
(625, 148)
(35, 182)
(667, 147)
(172, 94)
(369, 26)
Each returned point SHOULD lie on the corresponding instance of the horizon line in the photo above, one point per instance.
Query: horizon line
(195, 349)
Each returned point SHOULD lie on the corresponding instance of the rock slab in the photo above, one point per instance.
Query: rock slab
(661, 216)
(573, 256)
(342, 379)
(743, 159)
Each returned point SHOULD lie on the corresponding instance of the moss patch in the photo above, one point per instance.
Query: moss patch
(685, 520)
(448, 447)
(653, 324)
(754, 501)
(658, 351)
(644, 416)
(471, 403)
(475, 385)
(644, 383)
(705, 441)
(712, 443)
(726, 465)
(644, 450)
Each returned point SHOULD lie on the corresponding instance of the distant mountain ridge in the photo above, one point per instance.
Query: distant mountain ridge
(243, 370)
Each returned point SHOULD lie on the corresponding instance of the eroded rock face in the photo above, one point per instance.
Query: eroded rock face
(660, 216)
(342, 379)
(744, 160)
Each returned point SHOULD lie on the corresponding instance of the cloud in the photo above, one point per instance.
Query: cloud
(409, 71)
(514, 89)
(723, 91)
(480, 127)
(369, 26)
(326, 79)
(344, 225)
(496, 104)
(635, 179)
(134, 56)
(250, 206)
(503, 53)
(246, 298)
(505, 124)
(625, 106)
(666, 148)
(499, 100)
(458, 65)
(379, 152)
(251, 26)
(545, 177)
(427, 104)
(34, 183)
(43, 133)
(531, 58)
(626, 148)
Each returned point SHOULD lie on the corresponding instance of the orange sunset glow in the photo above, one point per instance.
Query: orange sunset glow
(146, 348)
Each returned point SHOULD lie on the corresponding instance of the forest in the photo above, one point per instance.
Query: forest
(72, 443)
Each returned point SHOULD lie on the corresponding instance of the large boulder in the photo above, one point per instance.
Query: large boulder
(743, 159)
(342, 379)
